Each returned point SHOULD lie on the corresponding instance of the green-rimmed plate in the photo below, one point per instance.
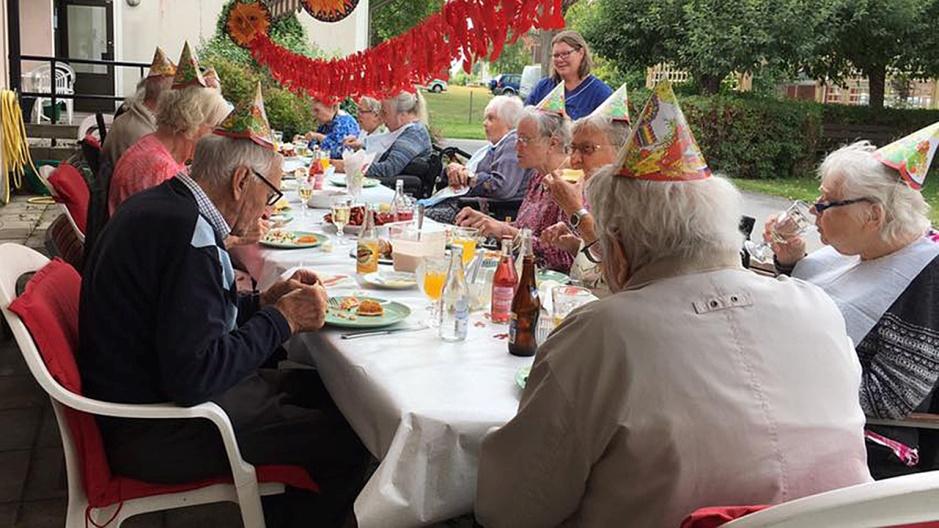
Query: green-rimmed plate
(283, 239)
(557, 276)
(279, 220)
(395, 312)
(391, 280)
(340, 181)
(521, 377)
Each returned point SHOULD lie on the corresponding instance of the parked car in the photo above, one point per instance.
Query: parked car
(530, 77)
(436, 86)
(505, 84)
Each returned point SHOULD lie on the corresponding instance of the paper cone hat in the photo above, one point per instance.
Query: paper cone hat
(211, 75)
(616, 106)
(912, 155)
(161, 65)
(553, 103)
(660, 146)
(249, 121)
(188, 72)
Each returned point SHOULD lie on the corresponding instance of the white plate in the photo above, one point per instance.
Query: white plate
(324, 198)
(391, 280)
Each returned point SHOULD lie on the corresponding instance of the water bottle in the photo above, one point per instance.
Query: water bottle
(454, 312)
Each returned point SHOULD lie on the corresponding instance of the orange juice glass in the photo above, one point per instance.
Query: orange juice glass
(466, 237)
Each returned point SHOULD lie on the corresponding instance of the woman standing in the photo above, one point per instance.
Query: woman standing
(571, 64)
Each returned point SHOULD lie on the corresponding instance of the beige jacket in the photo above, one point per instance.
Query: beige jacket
(130, 126)
(694, 387)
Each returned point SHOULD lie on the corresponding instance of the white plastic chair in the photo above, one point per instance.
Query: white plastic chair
(246, 491)
(890, 502)
(40, 80)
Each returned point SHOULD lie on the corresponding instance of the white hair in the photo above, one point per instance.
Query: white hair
(688, 220)
(217, 157)
(861, 175)
(368, 103)
(154, 87)
(549, 126)
(507, 107)
(185, 110)
(410, 103)
(615, 131)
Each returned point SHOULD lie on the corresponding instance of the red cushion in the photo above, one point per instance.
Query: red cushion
(71, 189)
(49, 309)
(714, 516)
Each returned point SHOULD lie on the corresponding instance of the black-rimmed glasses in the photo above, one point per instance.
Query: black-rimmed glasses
(821, 206)
(593, 251)
(273, 193)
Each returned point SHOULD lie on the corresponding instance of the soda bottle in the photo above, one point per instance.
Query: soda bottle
(367, 248)
(454, 312)
(400, 210)
(503, 285)
(525, 305)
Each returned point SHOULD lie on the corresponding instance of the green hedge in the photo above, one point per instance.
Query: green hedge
(747, 136)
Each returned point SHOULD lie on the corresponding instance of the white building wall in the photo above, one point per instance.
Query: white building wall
(345, 37)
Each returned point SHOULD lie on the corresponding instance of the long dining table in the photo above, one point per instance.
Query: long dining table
(420, 405)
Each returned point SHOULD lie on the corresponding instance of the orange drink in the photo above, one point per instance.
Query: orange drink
(433, 284)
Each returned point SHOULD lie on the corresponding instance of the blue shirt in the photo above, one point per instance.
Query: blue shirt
(341, 127)
(580, 101)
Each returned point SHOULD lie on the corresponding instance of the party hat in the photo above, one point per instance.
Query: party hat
(188, 72)
(161, 65)
(553, 103)
(249, 121)
(616, 106)
(912, 155)
(210, 76)
(661, 146)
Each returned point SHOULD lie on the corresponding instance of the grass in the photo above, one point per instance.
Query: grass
(458, 112)
(807, 189)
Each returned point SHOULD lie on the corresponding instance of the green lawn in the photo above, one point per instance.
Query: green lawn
(451, 114)
(807, 189)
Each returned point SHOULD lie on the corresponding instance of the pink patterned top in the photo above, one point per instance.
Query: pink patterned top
(146, 164)
(538, 212)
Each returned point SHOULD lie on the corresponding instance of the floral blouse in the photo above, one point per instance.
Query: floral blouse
(538, 212)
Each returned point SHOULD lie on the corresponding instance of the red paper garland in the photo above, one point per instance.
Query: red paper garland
(329, 10)
(468, 29)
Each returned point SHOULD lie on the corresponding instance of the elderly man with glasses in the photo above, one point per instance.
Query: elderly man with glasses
(161, 320)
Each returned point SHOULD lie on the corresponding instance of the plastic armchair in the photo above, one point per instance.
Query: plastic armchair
(41, 80)
(244, 489)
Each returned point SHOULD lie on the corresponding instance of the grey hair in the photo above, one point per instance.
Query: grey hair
(615, 131)
(183, 111)
(688, 220)
(507, 107)
(549, 126)
(863, 176)
(373, 105)
(217, 157)
(411, 103)
(153, 87)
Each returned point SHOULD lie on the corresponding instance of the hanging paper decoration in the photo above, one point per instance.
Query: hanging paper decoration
(466, 30)
(329, 10)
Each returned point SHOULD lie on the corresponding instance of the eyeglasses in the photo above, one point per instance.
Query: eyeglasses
(525, 141)
(593, 251)
(821, 206)
(585, 150)
(273, 193)
(563, 55)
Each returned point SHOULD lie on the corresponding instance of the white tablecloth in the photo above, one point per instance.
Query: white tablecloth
(420, 405)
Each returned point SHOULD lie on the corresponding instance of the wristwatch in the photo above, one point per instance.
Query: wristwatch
(578, 215)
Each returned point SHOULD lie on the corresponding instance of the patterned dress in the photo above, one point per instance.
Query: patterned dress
(538, 212)
(341, 127)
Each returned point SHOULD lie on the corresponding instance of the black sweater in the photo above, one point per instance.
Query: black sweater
(157, 320)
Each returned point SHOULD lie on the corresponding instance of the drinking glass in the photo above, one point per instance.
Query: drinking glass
(341, 209)
(564, 299)
(304, 192)
(794, 221)
(466, 237)
(431, 277)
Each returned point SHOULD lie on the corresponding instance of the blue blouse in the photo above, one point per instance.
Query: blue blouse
(580, 101)
(341, 127)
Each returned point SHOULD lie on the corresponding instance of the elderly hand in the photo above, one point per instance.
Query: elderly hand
(790, 250)
(487, 226)
(352, 142)
(567, 195)
(304, 307)
(305, 276)
(457, 175)
(561, 237)
(339, 164)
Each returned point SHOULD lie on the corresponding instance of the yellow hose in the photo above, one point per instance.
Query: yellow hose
(14, 156)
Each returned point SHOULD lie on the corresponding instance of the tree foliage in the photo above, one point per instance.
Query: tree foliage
(392, 18)
(514, 57)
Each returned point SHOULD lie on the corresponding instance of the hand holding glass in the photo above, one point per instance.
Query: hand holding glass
(793, 222)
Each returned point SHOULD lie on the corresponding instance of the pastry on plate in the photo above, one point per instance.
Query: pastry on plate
(370, 308)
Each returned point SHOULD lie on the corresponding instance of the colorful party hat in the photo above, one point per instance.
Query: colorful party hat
(912, 155)
(553, 103)
(188, 72)
(616, 106)
(161, 65)
(661, 146)
(249, 121)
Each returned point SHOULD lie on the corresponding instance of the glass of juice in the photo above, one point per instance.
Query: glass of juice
(466, 237)
(431, 277)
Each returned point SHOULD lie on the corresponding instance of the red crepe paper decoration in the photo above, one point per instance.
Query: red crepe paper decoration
(329, 10)
(246, 20)
(463, 29)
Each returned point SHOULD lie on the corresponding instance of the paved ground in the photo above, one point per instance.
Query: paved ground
(33, 487)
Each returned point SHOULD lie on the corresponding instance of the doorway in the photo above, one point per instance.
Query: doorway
(85, 30)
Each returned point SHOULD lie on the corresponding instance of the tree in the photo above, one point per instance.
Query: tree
(514, 57)
(876, 38)
(390, 18)
(708, 38)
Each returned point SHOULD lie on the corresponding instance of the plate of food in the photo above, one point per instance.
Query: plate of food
(551, 275)
(339, 180)
(364, 312)
(281, 205)
(390, 280)
(284, 239)
(383, 216)
(384, 251)
(521, 377)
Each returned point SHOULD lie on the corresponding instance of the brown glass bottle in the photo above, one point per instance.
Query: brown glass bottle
(526, 306)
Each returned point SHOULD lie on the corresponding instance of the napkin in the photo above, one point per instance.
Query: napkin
(355, 163)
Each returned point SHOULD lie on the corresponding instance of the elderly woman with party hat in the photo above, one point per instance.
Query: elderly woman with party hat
(696, 383)
(543, 137)
(184, 115)
(882, 270)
